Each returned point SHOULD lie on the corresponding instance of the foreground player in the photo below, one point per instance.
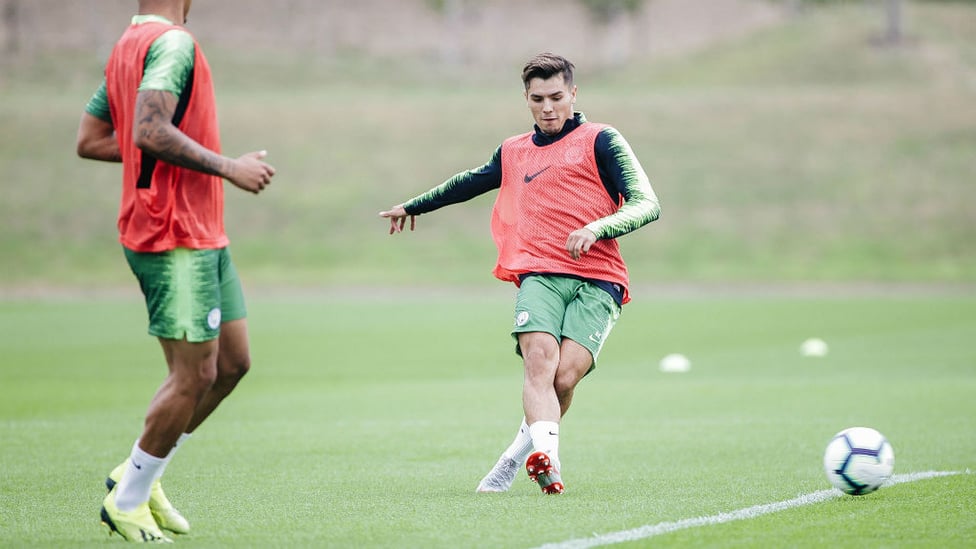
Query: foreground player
(155, 113)
(566, 191)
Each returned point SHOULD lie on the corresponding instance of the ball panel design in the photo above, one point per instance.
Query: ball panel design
(858, 460)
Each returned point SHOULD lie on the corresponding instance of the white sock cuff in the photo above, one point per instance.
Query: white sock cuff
(145, 458)
(521, 447)
(545, 438)
(183, 438)
(544, 428)
(136, 483)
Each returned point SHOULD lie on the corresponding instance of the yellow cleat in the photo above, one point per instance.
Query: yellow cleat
(163, 512)
(136, 525)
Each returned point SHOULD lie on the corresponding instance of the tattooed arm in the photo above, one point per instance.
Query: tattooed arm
(154, 133)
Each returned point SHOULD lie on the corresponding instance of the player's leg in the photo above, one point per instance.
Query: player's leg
(589, 319)
(183, 301)
(587, 322)
(540, 309)
(575, 362)
(536, 310)
(126, 509)
(234, 358)
(233, 361)
(540, 355)
(540, 358)
(501, 476)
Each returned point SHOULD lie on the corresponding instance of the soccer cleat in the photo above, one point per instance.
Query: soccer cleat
(542, 471)
(166, 516)
(500, 478)
(136, 525)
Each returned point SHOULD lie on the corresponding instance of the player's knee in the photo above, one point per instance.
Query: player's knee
(194, 380)
(232, 369)
(206, 376)
(240, 367)
(564, 385)
(539, 370)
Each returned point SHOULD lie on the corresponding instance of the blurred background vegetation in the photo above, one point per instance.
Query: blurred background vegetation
(789, 142)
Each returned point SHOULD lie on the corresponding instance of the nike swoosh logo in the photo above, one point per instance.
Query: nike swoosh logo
(554, 434)
(136, 465)
(529, 178)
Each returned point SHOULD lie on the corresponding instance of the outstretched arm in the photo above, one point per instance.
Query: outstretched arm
(398, 217)
(459, 188)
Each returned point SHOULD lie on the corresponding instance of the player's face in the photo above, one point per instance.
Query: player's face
(551, 102)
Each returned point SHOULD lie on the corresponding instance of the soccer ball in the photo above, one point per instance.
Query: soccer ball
(675, 362)
(858, 460)
(814, 347)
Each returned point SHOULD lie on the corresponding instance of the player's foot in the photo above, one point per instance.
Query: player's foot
(500, 478)
(166, 516)
(542, 471)
(136, 525)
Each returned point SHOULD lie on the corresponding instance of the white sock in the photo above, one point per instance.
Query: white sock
(137, 480)
(545, 438)
(169, 456)
(521, 447)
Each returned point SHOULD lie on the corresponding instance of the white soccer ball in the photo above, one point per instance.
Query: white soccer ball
(858, 460)
(814, 347)
(675, 362)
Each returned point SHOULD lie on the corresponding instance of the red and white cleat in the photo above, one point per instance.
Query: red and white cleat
(541, 470)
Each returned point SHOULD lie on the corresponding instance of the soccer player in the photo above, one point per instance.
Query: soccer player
(567, 190)
(155, 113)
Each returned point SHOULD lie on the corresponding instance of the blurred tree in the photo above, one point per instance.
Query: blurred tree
(452, 12)
(616, 18)
(893, 33)
(605, 11)
(893, 28)
(11, 28)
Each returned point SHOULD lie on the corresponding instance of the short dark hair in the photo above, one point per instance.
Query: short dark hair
(545, 66)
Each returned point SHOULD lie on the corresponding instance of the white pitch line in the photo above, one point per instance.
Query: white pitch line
(660, 528)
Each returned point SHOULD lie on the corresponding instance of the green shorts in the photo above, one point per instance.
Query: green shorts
(566, 308)
(189, 293)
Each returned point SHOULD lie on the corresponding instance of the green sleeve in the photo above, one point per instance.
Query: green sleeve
(98, 104)
(169, 62)
(459, 188)
(641, 205)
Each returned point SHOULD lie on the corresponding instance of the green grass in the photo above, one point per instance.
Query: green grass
(368, 421)
(802, 153)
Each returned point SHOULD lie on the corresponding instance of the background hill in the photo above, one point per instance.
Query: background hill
(784, 148)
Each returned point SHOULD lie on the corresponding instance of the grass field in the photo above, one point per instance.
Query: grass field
(368, 423)
(384, 385)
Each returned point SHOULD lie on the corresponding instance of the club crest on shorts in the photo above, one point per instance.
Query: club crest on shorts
(213, 318)
(522, 318)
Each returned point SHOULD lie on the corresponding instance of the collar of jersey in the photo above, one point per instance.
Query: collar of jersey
(150, 18)
(541, 139)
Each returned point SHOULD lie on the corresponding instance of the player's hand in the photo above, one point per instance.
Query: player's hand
(579, 242)
(250, 173)
(398, 217)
